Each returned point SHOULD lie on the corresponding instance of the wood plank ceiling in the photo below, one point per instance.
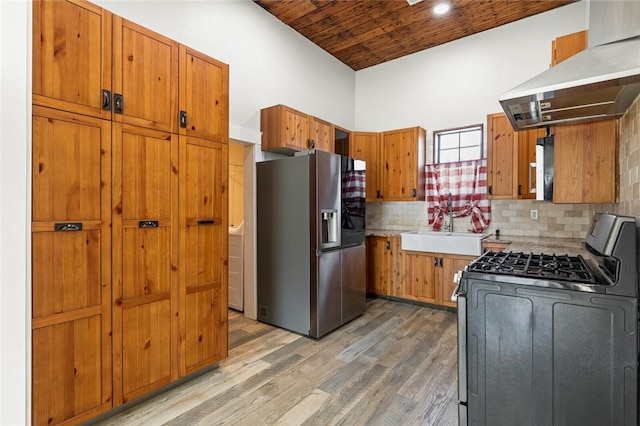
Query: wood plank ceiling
(363, 33)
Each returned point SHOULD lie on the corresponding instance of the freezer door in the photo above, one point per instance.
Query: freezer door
(354, 298)
(328, 303)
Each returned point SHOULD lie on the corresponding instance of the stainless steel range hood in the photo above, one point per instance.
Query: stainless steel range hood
(599, 82)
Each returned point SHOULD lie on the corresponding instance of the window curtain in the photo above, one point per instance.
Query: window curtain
(466, 183)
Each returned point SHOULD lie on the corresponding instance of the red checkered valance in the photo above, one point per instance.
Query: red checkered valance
(466, 183)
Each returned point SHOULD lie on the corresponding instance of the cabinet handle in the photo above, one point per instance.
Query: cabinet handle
(435, 262)
(311, 144)
(68, 226)
(183, 119)
(440, 262)
(519, 189)
(117, 103)
(148, 224)
(378, 193)
(206, 222)
(490, 189)
(414, 193)
(106, 100)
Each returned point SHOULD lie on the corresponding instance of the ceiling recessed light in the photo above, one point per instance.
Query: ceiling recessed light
(441, 8)
(412, 2)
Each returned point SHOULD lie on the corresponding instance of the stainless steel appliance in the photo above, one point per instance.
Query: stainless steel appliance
(311, 253)
(599, 82)
(544, 168)
(552, 340)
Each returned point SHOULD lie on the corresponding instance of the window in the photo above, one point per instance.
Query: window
(461, 144)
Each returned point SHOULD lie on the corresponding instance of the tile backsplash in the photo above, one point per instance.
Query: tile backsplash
(511, 217)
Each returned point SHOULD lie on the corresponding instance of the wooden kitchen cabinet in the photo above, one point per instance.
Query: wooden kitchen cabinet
(395, 163)
(203, 253)
(418, 278)
(322, 133)
(145, 261)
(586, 165)
(286, 130)
(71, 266)
(383, 264)
(428, 277)
(204, 96)
(129, 211)
(72, 57)
(565, 46)
(145, 77)
(403, 161)
(511, 159)
(366, 146)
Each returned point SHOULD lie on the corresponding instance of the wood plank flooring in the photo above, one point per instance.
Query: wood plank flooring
(395, 365)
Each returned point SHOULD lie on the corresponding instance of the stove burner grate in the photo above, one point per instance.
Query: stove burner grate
(555, 267)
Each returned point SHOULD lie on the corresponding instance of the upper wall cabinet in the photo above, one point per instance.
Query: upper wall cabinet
(566, 46)
(72, 57)
(403, 161)
(365, 146)
(586, 162)
(145, 77)
(286, 130)
(511, 159)
(204, 96)
(395, 163)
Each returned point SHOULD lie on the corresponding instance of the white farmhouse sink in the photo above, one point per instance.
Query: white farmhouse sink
(465, 243)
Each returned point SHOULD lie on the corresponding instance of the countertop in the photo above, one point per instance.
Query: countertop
(547, 245)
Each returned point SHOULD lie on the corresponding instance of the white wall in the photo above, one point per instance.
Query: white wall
(458, 84)
(15, 108)
(269, 63)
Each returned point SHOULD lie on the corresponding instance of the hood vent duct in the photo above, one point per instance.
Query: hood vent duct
(596, 83)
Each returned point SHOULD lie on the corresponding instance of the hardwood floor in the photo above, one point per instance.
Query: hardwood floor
(395, 365)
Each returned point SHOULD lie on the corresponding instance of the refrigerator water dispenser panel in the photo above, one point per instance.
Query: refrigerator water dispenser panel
(330, 228)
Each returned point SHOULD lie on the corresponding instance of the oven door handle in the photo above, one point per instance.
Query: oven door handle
(462, 348)
(456, 291)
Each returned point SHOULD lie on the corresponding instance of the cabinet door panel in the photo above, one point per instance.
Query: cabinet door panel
(145, 69)
(205, 328)
(420, 277)
(203, 247)
(144, 260)
(378, 265)
(146, 342)
(296, 127)
(366, 147)
(502, 158)
(526, 162)
(586, 159)
(403, 175)
(71, 266)
(71, 56)
(322, 133)
(67, 166)
(67, 370)
(204, 95)
(66, 271)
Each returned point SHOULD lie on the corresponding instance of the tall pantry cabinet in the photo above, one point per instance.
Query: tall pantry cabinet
(129, 231)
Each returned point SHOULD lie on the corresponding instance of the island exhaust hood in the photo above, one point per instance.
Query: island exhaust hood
(599, 82)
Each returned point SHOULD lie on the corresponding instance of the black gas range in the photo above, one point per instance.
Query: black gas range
(549, 339)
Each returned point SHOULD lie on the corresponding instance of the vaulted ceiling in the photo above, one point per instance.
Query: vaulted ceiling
(363, 33)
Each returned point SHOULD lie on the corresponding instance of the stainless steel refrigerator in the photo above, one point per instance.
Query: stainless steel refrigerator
(308, 281)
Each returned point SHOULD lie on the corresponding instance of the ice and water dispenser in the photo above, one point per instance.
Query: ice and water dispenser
(330, 228)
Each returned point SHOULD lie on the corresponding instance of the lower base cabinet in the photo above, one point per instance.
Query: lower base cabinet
(428, 277)
(412, 275)
(383, 264)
